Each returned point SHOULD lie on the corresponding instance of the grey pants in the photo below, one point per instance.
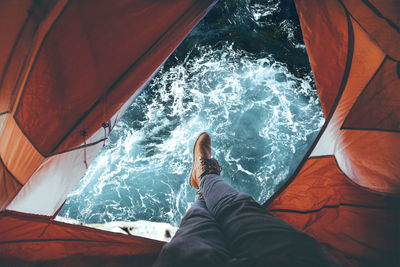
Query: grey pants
(228, 228)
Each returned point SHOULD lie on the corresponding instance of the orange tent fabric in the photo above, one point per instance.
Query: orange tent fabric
(346, 192)
(36, 240)
(70, 68)
(68, 71)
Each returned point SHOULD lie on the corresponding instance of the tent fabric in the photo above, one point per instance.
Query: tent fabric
(69, 69)
(47, 189)
(331, 22)
(25, 24)
(9, 186)
(39, 240)
(380, 19)
(356, 226)
(109, 42)
(346, 191)
(378, 101)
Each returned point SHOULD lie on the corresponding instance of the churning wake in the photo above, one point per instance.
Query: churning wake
(262, 118)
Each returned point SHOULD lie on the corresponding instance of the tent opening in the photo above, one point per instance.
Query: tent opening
(259, 103)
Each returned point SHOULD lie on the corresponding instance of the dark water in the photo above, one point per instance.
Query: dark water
(243, 76)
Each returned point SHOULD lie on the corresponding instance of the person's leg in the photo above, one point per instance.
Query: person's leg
(251, 232)
(198, 242)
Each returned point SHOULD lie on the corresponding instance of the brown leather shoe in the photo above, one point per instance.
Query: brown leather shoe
(202, 162)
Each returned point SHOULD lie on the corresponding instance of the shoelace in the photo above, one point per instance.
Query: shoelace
(209, 166)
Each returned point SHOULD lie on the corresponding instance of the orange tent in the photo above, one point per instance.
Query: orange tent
(346, 191)
(70, 68)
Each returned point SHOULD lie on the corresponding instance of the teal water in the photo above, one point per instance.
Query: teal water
(243, 76)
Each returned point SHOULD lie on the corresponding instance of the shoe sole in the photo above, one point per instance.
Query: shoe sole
(191, 171)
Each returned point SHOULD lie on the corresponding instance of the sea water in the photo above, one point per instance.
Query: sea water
(242, 75)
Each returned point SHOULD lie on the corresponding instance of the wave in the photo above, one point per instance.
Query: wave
(262, 119)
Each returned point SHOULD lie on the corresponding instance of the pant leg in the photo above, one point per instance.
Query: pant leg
(253, 233)
(198, 241)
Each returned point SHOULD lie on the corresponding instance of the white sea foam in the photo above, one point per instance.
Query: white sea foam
(261, 12)
(260, 116)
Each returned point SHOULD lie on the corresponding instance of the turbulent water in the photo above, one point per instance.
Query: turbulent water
(243, 76)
